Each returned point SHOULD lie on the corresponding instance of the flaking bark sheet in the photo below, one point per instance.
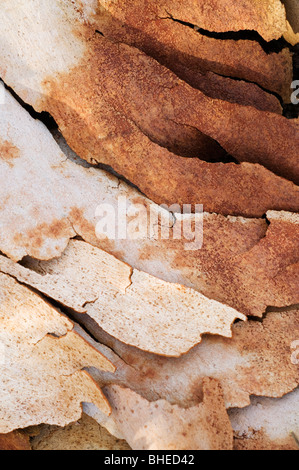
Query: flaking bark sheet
(42, 358)
(256, 361)
(18, 149)
(15, 440)
(98, 107)
(190, 53)
(267, 424)
(42, 227)
(292, 9)
(159, 425)
(136, 308)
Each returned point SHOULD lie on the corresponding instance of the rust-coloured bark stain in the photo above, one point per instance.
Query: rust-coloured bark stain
(164, 342)
(8, 152)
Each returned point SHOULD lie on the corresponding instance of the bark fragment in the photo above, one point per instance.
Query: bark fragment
(159, 425)
(85, 434)
(257, 360)
(41, 360)
(108, 116)
(267, 17)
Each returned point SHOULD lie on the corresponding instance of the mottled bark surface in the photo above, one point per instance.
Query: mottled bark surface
(125, 323)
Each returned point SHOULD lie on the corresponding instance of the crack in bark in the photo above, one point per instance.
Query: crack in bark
(274, 46)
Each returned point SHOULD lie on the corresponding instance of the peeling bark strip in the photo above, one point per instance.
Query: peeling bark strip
(155, 103)
(245, 264)
(115, 98)
(152, 28)
(159, 425)
(267, 17)
(136, 308)
(267, 424)
(39, 222)
(257, 360)
(234, 91)
(41, 357)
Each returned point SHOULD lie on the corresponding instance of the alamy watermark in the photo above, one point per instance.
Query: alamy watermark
(2, 93)
(295, 94)
(140, 221)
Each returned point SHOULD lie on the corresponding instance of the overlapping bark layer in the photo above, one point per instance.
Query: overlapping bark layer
(49, 220)
(136, 308)
(184, 104)
(191, 52)
(41, 360)
(267, 17)
(100, 114)
(136, 99)
(256, 361)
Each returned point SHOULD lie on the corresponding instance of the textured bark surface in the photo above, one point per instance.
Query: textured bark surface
(85, 434)
(256, 361)
(122, 101)
(126, 322)
(41, 360)
(243, 274)
(267, 17)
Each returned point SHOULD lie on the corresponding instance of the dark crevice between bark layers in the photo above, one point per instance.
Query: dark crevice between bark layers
(274, 46)
(44, 117)
(290, 110)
